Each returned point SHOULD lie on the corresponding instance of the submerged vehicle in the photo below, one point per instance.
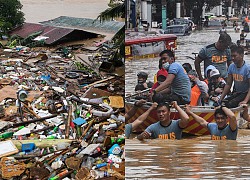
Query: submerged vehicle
(148, 46)
(184, 21)
(193, 128)
(178, 30)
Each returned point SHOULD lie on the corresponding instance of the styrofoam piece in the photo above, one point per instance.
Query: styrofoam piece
(22, 131)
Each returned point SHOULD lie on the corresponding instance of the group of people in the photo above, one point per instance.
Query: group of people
(166, 128)
(224, 66)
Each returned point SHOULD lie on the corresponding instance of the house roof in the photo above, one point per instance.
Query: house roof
(85, 24)
(54, 33)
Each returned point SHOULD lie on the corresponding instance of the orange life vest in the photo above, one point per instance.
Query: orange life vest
(195, 95)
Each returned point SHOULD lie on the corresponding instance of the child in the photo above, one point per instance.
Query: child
(223, 30)
(237, 27)
(161, 77)
(242, 37)
(142, 83)
(216, 85)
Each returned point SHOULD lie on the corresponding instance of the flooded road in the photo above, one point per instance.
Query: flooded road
(186, 45)
(198, 158)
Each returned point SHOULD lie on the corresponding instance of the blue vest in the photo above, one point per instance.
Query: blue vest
(172, 131)
(221, 134)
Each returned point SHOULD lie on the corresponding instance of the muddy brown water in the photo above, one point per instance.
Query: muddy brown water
(42, 10)
(195, 158)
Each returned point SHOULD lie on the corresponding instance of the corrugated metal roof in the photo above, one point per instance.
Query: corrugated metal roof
(54, 33)
(27, 29)
(85, 24)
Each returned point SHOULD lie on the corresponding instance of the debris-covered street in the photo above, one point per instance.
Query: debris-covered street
(62, 111)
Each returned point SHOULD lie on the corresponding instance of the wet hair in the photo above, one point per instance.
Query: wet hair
(219, 111)
(225, 38)
(168, 52)
(187, 67)
(164, 104)
(238, 49)
(143, 75)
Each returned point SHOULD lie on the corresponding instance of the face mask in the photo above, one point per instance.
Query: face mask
(141, 81)
(166, 65)
(159, 82)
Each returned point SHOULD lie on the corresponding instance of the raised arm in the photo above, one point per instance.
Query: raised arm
(232, 118)
(143, 117)
(197, 118)
(197, 65)
(133, 110)
(139, 120)
(183, 115)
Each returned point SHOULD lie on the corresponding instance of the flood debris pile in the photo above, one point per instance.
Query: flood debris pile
(61, 113)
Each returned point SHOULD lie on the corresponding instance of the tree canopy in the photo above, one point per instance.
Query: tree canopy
(11, 15)
(116, 10)
(197, 7)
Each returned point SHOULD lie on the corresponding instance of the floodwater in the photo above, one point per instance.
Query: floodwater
(192, 158)
(42, 10)
(188, 159)
(186, 45)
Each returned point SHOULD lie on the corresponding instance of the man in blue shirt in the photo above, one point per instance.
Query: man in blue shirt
(239, 73)
(217, 54)
(177, 81)
(220, 130)
(166, 128)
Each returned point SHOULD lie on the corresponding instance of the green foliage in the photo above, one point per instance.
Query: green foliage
(11, 15)
(14, 40)
(197, 6)
(116, 9)
(82, 67)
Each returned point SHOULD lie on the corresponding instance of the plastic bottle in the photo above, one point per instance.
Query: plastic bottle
(90, 162)
(21, 127)
(55, 129)
(59, 175)
(6, 135)
(99, 174)
(48, 167)
(101, 165)
(51, 137)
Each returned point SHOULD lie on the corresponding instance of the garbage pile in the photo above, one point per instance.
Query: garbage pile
(61, 115)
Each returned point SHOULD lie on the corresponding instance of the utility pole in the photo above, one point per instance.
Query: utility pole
(178, 9)
(164, 14)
